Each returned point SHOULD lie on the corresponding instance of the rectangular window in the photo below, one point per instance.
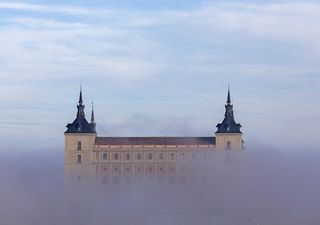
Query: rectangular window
(228, 147)
(150, 156)
(116, 156)
(161, 156)
(171, 180)
(116, 180)
(79, 145)
(78, 158)
(139, 156)
(128, 156)
(104, 179)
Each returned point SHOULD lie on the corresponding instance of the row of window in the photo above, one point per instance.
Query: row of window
(150, 156)
(139, 156)
(139, 179)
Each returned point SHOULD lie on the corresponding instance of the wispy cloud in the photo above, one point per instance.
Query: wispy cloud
(43, 8)
(269, 53)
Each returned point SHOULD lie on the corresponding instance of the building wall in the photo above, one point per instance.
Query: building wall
(133, 164)
(78, 147)
(235, 141)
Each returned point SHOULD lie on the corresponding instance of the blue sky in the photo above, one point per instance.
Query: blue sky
(160, 68)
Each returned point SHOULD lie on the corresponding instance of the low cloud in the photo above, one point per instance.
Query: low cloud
(257, 186)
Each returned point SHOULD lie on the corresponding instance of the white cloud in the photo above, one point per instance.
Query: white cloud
(188, 54)
(43, 8)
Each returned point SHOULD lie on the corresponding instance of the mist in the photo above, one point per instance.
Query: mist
(256, 186)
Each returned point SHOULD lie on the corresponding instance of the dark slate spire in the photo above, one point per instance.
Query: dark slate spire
(80, 106)
(228, 124)
(80, 97)
(92, 116)
(80, 124)
(228, 99)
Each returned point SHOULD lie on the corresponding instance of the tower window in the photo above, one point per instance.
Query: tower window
(78, 158)
(79, 145)
(228, 146)
(105, 156)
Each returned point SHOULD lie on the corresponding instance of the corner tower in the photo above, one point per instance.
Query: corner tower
(228, 135)
(79, 142)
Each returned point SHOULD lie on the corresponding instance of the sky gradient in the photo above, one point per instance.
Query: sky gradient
(160, 68)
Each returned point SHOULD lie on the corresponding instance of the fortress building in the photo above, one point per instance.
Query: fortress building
(89, 158)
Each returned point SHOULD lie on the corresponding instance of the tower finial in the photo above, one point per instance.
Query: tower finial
(229, 98)
(92, 116)
(80, 97)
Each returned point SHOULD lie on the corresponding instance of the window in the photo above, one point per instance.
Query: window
(128, 156)
(161, 156)
(116, 156)
(79, 145)
(78, 158)
(205, 156)
(116, 180)
(150, 156)
(139, 156)
(172, 156)
(105, 156)
(228, 147)
(161, 179)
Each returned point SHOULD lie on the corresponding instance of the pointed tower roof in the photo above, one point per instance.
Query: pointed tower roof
(92, 115)
(80, 124)
(228, 124)
(80, 96)
(229, 98)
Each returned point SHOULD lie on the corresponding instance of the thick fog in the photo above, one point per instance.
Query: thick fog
(259, 186)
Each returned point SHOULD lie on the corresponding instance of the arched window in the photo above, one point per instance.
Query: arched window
(105, 156)
(78, 158)
(116, 156)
